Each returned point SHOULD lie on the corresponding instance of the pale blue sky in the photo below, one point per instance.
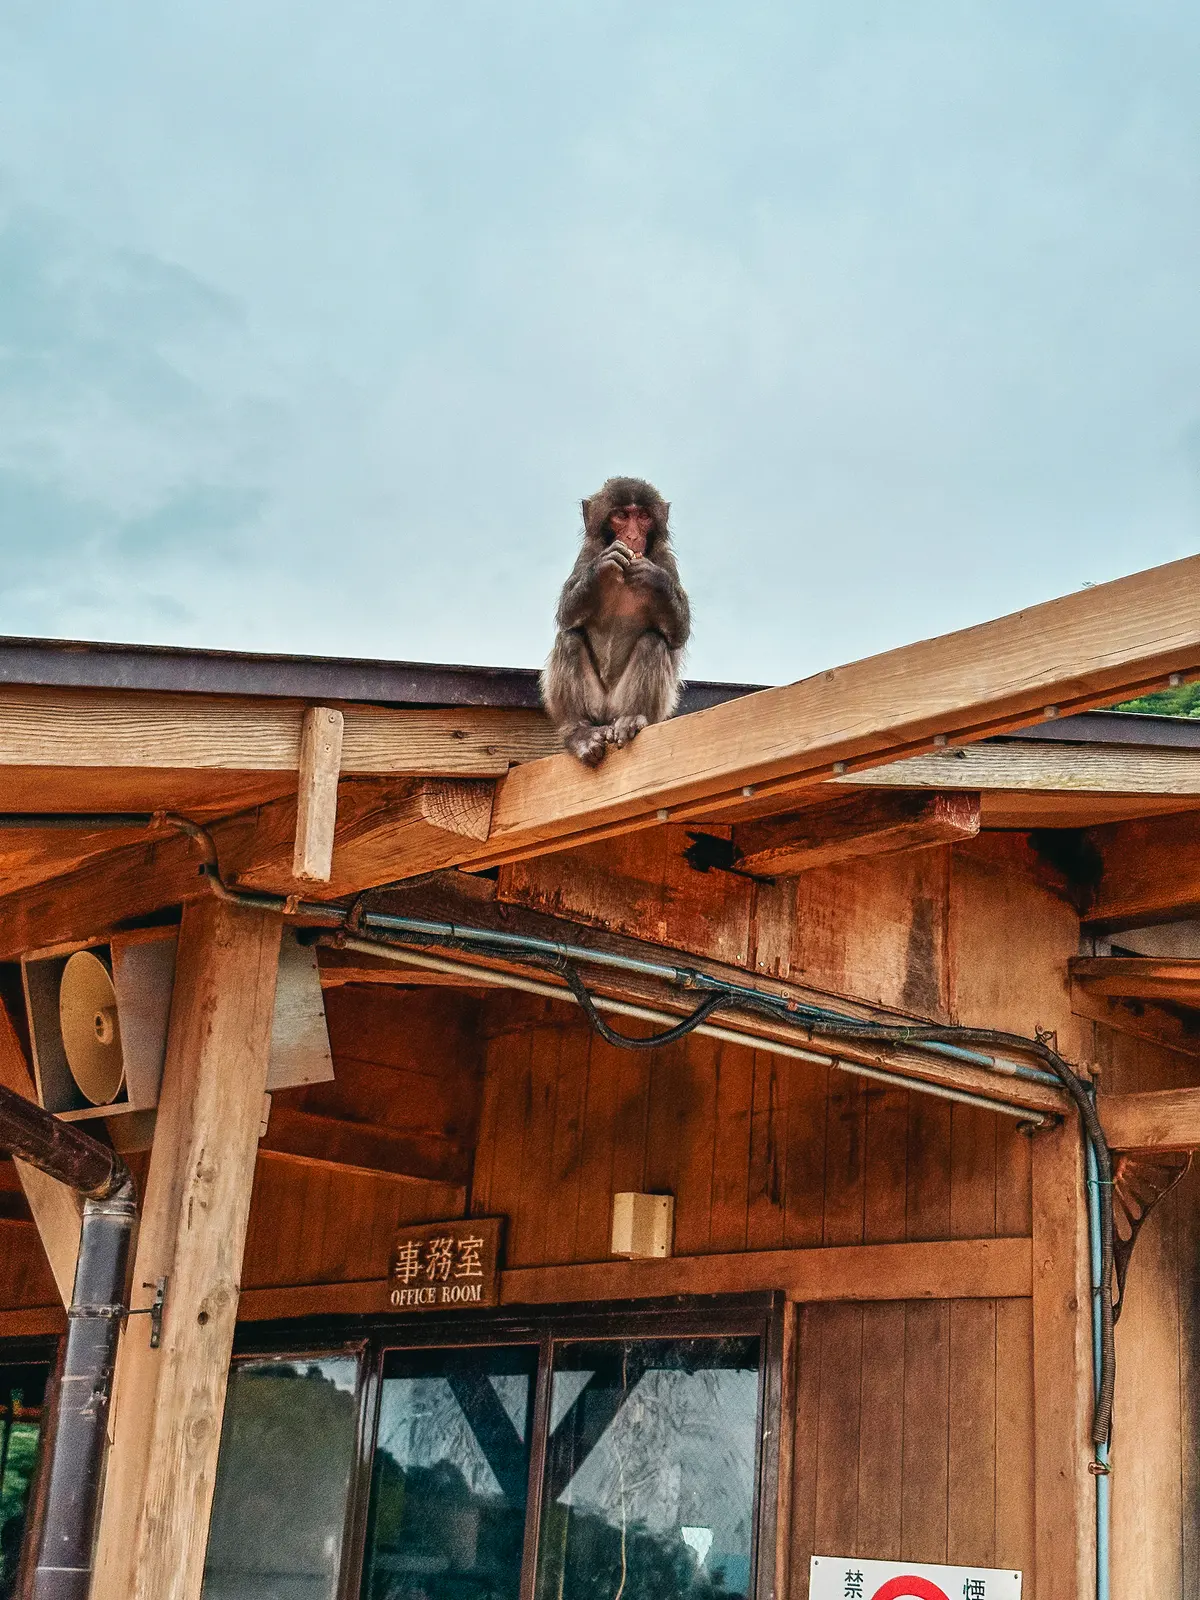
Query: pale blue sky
(316, 321)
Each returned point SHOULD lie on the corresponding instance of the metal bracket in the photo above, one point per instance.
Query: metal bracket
(154, 1311)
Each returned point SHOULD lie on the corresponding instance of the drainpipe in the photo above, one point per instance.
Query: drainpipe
(74, 1444)
(1100, 1466)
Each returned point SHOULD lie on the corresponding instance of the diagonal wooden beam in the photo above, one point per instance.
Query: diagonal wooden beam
(1084, 650)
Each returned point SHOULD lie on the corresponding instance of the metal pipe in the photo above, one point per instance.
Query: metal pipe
(713, 1030)
(59, 1148)
(75, 1435)
(75, 1446)
(1101, 1467)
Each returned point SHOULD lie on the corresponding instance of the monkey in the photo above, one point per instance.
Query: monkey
(622, 620)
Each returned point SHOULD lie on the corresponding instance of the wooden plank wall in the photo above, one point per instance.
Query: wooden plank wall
(914, 1423)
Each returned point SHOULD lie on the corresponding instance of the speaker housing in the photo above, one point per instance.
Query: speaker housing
(143, 973)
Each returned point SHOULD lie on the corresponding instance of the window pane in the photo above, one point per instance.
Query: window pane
(22, 1389)
(450, 1475)
(650, 1470)
(279, 1511)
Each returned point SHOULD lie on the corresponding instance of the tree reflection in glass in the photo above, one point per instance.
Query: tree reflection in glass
(287, 1449)
(451, 1473)
(650, 1470)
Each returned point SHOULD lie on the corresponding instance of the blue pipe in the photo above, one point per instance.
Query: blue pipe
(1103, 1478)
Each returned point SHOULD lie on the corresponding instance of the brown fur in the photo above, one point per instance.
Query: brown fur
(622, 627)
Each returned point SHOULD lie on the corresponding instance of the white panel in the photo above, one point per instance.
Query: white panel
(299, 1036)
(144, 975)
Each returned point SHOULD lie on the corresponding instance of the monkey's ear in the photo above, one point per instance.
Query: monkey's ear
(585, 506)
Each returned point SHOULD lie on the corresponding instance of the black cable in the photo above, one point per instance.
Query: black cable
(628, 1041)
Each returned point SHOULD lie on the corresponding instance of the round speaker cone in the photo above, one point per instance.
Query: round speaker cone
(91, 1034)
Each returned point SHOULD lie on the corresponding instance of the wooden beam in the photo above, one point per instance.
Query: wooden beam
(166, 1417)
(1147, 871)
(55, 1206)
(366, 1145)
(1161, 1119)
(317, 794)
(385, 831)
(443, 1199)
(1139, 977)
(1087, 649)
(927, 1270)
(1019, 766)
(114, 729)
(1140, 1019)
(853, 826)
(382, 825)
(1064, 1493)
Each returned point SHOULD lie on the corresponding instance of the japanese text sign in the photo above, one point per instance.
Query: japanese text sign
(439, 1266)
(849, 1578)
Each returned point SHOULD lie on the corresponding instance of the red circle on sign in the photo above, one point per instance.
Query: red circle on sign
(910, 1589)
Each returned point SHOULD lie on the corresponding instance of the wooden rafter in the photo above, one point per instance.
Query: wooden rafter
(848, 827)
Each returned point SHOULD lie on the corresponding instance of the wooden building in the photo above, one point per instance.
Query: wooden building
(852, 1315)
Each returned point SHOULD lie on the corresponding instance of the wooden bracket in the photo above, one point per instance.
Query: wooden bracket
(317, 794)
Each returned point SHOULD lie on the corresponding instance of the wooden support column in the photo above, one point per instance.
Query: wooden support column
(166, 1417)
(55, 1206)
(1064, 1491)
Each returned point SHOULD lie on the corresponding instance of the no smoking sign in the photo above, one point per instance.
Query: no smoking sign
(849, 1578)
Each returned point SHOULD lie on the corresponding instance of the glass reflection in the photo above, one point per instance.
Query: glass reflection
(279, 1510)
(450, 1476)
(650, 1468)
(22, 1390)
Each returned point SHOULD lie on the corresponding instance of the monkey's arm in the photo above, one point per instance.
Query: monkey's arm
(671, 613)
(582, 593)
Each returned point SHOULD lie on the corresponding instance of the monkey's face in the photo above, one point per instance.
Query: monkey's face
(631, 524)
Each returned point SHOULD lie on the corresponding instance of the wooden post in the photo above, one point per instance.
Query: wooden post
(55, 1207)
(166, 1417)
(1064, 1491)
(317, 794)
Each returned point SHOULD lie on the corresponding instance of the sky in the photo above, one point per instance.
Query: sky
(317, 321)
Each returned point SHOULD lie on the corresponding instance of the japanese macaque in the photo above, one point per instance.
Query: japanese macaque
(622, 620)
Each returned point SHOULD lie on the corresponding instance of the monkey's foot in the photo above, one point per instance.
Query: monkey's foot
(588, 744)
(624, 730)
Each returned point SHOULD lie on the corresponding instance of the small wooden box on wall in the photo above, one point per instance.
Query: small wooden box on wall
(643, 1225)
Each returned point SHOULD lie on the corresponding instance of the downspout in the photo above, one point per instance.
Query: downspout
(1100, 1466)
(76, 1433)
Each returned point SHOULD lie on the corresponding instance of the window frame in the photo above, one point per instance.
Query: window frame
(372, 1338)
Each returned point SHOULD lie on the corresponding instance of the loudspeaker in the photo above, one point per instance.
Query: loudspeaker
(98, 1021)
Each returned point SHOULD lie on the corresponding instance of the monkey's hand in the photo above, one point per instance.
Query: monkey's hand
(616, 561)
(646, 574)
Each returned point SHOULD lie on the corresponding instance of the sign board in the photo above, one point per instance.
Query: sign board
(849, 1578)
(446, 1266)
